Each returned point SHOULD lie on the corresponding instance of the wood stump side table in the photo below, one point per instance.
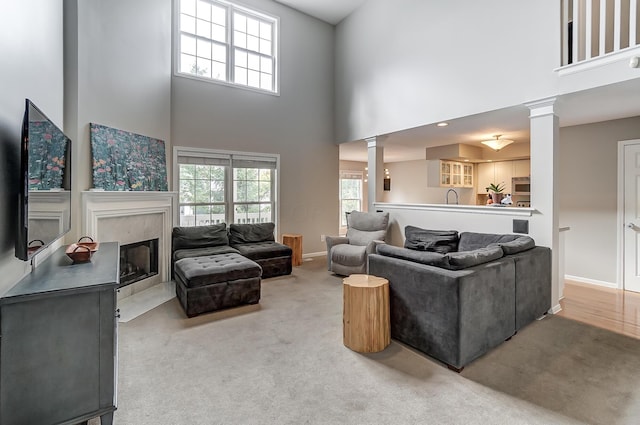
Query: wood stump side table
(365, 319)
(294, 241)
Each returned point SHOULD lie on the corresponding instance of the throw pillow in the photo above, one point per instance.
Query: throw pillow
(471, 240)
(523, 243)
(463, 259)
(423, 257)
(441, 241)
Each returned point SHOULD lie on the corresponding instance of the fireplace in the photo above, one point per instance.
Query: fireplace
(138, 261)
(128, 218)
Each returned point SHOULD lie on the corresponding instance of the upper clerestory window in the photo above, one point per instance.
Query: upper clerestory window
(223, 42)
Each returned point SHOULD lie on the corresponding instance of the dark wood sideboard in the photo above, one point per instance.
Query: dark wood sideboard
(58, 341)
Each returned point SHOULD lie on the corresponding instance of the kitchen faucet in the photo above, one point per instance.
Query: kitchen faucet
(446, 197)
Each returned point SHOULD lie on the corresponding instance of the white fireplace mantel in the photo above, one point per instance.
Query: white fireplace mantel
(102, 205)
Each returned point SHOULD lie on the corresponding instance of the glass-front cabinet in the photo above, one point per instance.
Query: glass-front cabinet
(467, 175)
(456, 174)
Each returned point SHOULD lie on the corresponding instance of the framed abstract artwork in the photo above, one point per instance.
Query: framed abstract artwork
(127, 161)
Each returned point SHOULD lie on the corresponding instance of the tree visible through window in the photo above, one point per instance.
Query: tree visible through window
(219, 187)
(222, 41)
(252, 195)
(350, 194)
(202, 194)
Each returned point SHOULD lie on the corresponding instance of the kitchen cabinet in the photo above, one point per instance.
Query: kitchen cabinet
(485, 176)
(467, 175)
(522, 168)
(58, 347)
(450, 174)
(501, 171)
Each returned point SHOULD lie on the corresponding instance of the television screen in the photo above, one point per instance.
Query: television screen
(45, 193)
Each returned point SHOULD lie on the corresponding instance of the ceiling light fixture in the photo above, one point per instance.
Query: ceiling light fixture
(498, 143)
(442, 124)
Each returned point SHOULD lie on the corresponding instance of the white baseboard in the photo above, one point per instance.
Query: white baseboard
(314, 254)
(591, 281)
(555, 309)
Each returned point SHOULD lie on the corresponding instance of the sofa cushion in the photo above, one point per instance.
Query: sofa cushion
(441, 241)
(349, 255)
(200, 271)
(366, 227)
(522, 243)
(199, 236)
(471, 240)
(201, 252)
(368, 221)
(362, 238)
(449, 261)
(429, 258)
(249, 233)
(263, 250)
(464, 259)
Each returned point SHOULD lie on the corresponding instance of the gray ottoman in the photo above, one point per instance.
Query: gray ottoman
(216, 282)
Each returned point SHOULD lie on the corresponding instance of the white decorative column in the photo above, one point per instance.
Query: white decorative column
(375, 151)
(544, 171)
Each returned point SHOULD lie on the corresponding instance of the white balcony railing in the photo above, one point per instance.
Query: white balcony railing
(595, 28)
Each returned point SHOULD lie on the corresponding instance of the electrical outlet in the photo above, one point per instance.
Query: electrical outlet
(321, 238)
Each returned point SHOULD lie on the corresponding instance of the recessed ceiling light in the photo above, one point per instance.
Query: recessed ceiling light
(442, 124)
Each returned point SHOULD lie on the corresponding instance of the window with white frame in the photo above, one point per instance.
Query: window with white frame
(350, 194)
(223, 187)
(221, 41)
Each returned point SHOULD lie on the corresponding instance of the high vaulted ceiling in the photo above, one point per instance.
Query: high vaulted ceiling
(331, 11)
(600, 104)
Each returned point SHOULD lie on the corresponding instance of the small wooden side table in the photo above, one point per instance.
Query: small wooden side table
(365, 319)
(294, 241)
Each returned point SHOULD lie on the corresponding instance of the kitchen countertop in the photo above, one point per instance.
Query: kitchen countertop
(470, 209)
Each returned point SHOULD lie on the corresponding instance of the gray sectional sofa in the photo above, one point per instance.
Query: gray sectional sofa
(456, 296)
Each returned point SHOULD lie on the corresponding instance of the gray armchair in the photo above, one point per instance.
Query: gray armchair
(347, 255)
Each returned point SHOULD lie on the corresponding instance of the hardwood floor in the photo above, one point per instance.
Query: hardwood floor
(612, 309)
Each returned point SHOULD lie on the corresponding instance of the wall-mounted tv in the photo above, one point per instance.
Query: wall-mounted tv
(44, 204)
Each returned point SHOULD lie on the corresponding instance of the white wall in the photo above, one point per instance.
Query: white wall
(31, 50)
(410, 184)
(406, 63)
(297, 124)
(118, 73)
(588, 195)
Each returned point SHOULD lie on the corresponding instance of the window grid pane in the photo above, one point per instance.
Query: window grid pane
(204, 44)
(253, 69)
(252, 195)
(350, 194)
(203, 199)
(201, 194)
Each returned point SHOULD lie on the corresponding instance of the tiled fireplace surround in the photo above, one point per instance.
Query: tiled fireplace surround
(128, 217)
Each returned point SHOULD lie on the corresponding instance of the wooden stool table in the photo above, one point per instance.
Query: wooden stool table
(294, 241)
(365, 319)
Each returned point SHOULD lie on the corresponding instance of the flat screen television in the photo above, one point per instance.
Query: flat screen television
(44, 204)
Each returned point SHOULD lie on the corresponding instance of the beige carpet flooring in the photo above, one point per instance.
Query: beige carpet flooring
(283, 362)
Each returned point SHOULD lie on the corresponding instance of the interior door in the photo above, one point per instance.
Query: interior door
(631, 232)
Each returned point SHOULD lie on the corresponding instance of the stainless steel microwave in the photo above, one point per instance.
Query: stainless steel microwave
(521, 185)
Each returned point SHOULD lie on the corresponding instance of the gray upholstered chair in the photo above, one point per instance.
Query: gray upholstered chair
(348, 254)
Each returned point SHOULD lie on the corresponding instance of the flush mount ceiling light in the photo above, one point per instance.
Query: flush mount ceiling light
(498, 143)
(442, 124)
